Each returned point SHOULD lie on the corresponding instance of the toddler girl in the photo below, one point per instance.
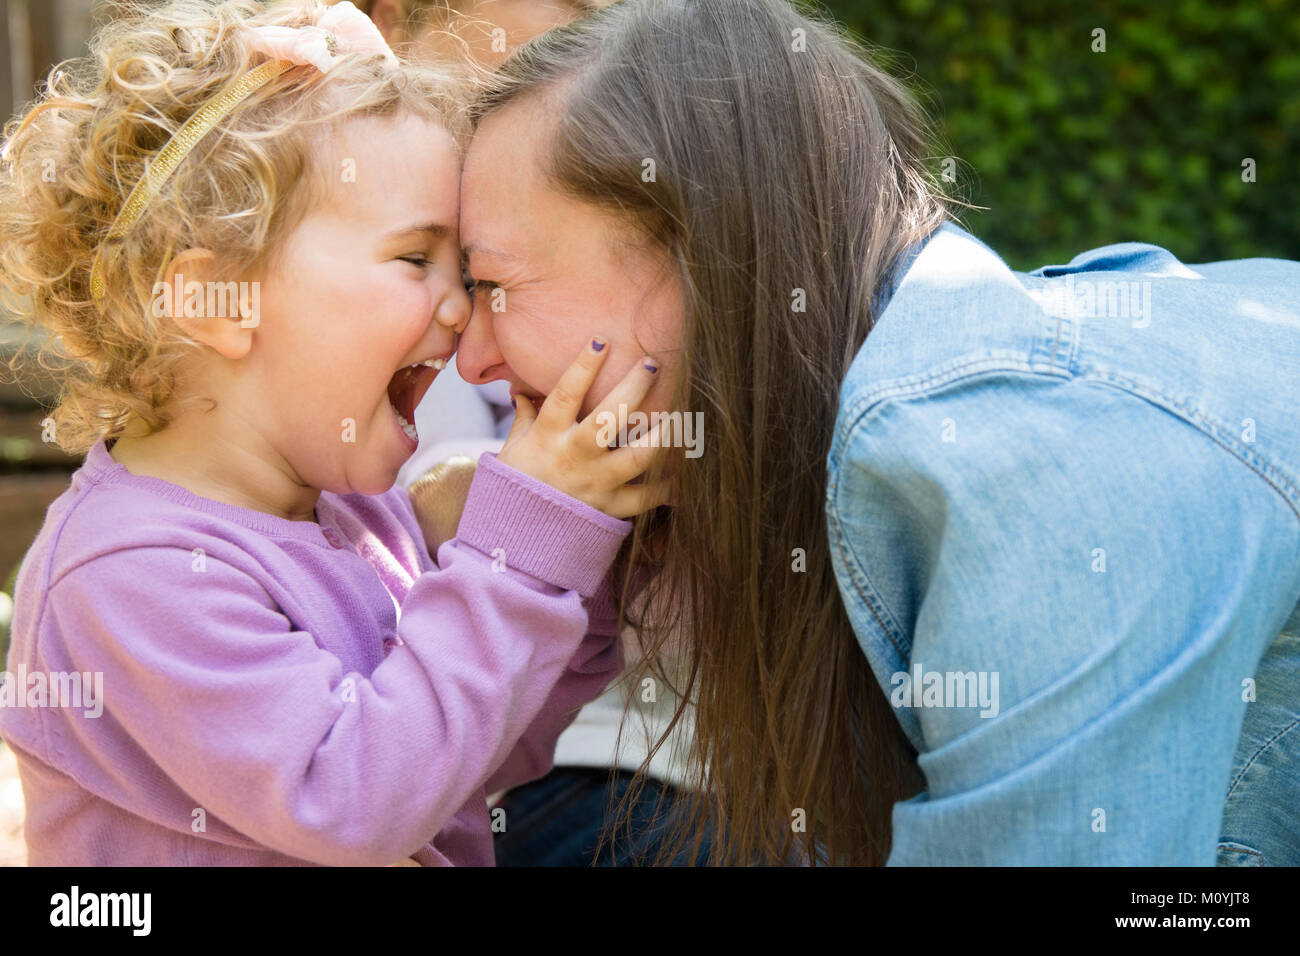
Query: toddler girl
(236, 231)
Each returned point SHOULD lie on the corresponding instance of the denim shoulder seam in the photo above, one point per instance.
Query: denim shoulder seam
(1212, 429)
(862, 582)
(947, 374)
(940, 376)
(874, 400)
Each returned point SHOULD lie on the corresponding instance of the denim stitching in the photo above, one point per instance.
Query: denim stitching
(943, 376)
(938, 377)
(1056, 342)
(1241, 848)
(862, 584)
(891, 629)
(1258, 753)
(1212, 429)
(875, 401)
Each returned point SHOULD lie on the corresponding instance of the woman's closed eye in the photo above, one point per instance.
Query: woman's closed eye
(419, 261)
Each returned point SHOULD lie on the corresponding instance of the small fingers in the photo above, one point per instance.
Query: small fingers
(635, 457)
(560, 410)
(622, 400)
(525, 413)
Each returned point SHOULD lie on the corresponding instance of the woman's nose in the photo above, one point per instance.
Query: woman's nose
(477, 356)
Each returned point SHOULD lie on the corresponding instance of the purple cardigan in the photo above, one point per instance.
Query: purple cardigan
(284, 692)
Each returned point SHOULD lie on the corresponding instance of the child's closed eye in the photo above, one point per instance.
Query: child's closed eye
(474, 286)
(419, 261)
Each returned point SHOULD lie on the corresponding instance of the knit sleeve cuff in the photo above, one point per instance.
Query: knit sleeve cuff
(540, 530)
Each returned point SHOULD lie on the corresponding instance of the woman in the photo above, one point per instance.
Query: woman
(734, 189)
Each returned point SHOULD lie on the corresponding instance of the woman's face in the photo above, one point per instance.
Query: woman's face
(551, 272)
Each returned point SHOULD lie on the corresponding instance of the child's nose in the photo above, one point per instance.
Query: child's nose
(454, 310)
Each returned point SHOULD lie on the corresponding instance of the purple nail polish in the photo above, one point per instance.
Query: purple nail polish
(597, 345)
(649, 368)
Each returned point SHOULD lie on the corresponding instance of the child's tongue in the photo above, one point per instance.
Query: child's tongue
(407, 387)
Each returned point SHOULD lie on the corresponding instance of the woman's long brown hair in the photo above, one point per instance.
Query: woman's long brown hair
(789, 174)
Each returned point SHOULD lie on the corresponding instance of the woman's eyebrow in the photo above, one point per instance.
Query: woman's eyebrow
(478, 248)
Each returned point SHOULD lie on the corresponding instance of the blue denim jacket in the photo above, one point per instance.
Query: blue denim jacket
(1064, 511)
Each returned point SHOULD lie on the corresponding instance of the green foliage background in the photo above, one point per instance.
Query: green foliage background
(1072, 149)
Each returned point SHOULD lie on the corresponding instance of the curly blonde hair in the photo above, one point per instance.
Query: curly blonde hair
(69, 162)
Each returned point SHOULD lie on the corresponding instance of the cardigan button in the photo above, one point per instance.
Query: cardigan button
(332, 537)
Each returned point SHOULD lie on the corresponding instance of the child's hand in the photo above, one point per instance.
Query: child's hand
(438, 499)
(552, 446)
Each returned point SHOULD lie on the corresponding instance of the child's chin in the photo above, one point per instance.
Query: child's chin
(376, 489)
(368, 481)
(375, 484)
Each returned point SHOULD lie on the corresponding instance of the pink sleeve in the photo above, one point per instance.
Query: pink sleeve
(597, 663)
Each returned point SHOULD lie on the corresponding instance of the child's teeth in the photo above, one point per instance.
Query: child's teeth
(406, 426)
(437, 363)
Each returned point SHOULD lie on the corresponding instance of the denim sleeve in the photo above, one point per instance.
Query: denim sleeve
(1097, 574)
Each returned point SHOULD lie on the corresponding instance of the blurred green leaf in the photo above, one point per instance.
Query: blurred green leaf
(1073, 149)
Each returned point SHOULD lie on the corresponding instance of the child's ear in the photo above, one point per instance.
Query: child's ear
(221, 315)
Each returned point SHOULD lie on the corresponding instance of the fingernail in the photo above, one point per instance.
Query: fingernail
(512, 403)
(649, 366)
(597, 345)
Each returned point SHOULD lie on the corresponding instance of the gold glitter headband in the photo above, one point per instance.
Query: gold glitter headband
(164, 164)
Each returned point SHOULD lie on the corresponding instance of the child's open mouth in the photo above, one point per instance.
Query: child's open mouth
(407, 387)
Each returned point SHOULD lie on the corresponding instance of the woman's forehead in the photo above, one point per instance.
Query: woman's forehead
(501, 189)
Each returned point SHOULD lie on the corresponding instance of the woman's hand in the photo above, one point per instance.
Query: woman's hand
(576, 457)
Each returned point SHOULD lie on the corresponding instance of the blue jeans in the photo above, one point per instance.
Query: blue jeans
(1261, 819)
(557, 821)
